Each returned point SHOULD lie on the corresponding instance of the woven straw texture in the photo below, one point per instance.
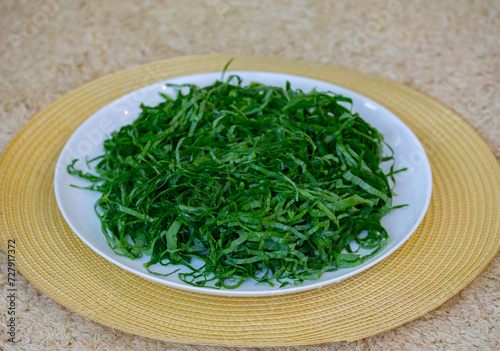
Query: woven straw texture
(457, 239)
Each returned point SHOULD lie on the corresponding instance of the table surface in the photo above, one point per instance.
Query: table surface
(447, 49)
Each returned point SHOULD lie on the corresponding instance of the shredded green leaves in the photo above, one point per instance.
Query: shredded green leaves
(258, 182)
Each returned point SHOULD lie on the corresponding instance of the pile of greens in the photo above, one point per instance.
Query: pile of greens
(258, 182)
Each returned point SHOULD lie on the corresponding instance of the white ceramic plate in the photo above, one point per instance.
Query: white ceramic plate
(413, 187)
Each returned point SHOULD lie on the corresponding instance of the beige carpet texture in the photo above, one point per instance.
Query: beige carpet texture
(449, 50)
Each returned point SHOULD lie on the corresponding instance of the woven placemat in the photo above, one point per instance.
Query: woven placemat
(458, 237)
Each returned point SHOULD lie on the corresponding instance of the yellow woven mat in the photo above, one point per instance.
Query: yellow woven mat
(458, 237)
